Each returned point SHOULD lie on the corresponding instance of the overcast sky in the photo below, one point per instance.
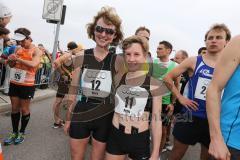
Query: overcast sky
(181, 22)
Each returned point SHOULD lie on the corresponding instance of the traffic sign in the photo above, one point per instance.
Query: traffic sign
(52, 10)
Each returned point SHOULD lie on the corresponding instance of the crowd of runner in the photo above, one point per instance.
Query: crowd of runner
(130, 103)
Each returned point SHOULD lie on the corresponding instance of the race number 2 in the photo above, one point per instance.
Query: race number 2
(201, 89)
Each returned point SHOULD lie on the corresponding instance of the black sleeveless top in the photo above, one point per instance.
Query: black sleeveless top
(94, 72)
(129, 92)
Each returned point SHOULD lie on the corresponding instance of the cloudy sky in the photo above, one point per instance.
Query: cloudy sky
(181, 22)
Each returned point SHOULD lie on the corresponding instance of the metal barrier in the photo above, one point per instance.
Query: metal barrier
(42, 76)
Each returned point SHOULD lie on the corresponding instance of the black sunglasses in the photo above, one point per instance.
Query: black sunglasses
(101, 29)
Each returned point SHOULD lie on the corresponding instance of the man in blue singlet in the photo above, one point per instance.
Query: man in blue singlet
(224, 121)
(200, 70)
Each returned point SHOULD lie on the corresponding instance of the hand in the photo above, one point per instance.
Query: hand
(170, 109)
(66, 127)
(11, 63)
(219, 150)
(189, 104)
(12, 57)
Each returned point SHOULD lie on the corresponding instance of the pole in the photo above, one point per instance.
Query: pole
(56, 42)
(52, 82)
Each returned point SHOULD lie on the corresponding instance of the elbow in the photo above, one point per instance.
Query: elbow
(168, 81)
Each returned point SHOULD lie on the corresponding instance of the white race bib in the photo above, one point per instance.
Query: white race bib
(17, 75)
(131, 101)
(201, 89)
(96, 83)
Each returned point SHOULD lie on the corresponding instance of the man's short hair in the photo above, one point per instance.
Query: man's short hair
(72, 45)
(142, 28)
(221, 27)
(167, 44)
(40, 45)
(201, 49)
(184, 53)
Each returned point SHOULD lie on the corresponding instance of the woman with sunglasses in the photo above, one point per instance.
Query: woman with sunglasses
(138, 100)
(95, 68)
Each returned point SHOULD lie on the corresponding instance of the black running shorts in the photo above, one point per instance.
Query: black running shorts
(136, 146)
(99, 127)
(23, 92)
(192, 131)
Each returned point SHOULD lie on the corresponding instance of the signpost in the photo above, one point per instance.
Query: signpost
(52, 10)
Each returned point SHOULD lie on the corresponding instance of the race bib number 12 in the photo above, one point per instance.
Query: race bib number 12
(96, 83)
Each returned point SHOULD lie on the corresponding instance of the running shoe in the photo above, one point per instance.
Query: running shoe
(19, 139)
(10, 139)
(58, 125)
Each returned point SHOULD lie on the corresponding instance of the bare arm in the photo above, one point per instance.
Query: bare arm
(57, 63)
(227, 63)
(120, 69)
(156, 123)
(186, 65)
(35, 59)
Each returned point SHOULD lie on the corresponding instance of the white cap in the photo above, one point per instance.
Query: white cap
(4, 11)
(19, 37)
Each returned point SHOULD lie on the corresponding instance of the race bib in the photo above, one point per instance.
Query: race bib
(131, 101)
(201, 89)
(96, 83)
(17, 75)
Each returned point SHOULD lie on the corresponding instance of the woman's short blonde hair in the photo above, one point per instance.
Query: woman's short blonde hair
(110, 17)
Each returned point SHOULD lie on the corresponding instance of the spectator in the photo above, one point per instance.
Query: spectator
(3, 37)
(145, 32)
(45, 70)
(63, 85)
(202, 50)
(9, 48)
(5, 15)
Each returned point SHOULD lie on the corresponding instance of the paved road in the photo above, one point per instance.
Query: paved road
(45, 143)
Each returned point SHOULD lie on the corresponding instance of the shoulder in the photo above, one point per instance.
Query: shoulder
(37, 51)
(189, 62)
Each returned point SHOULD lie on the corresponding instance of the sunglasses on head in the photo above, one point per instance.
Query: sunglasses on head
(101, 29)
